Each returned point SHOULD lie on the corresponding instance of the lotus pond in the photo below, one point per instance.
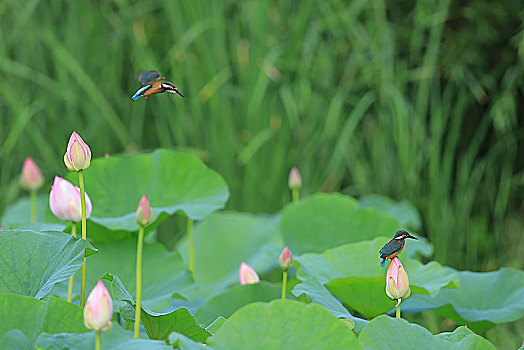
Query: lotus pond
(191, 296)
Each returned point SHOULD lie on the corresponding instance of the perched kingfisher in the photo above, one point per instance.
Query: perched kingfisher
(154, 84)
(394, 246)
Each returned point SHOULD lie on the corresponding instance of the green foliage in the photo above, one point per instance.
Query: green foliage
(33, 262)
(284, 323)
(159, 325)
(481, 300)
(353, 274)
(241, 237)
(386, 332)
(325, 221)
(234, 298)
(116, 339)
(32, 317)
(172, 182)
(164, 271)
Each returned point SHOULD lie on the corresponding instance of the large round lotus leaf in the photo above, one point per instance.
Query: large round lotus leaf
(324, 221)
(485, 298)
(33, 262)
(386, 332)
(226, 239)
(171, 180)
(284, 324)
(234, 298)
(116, 339)
(353, 274)
(33, 316)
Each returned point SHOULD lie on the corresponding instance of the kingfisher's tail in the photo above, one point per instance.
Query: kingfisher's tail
(383, 262)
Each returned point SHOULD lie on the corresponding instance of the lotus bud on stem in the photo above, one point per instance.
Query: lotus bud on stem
(31, 179)
(397, 283)
(295, 183)
(285, 260)
(144, 216)
(78, 158)
(247, 275)
(98, 311)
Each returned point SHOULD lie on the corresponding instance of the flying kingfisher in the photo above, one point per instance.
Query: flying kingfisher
(154, 84)
(394, 246)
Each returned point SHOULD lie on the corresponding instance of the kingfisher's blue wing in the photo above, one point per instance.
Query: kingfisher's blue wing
(148, 77)
(140, 92)
(389, 248)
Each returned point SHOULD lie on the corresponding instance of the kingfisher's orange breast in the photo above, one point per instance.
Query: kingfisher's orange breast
(154, 90)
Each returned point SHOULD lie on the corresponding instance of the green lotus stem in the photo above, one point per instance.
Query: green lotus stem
(191, 246)
(138, 306)
(70, 287)
(284, 285)
(97, 341)
(84, 237)
(295, 193)
(398, 308)
(33, 205)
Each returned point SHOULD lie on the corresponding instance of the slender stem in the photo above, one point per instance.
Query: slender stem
(139, 279)
(284, 285)
(97, 341)
(295, 193)
(398, 308)
(33, 205)
(84, 236)
(70, 287)
(191, 246)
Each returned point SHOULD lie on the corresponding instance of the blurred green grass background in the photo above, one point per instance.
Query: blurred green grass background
(414, 100)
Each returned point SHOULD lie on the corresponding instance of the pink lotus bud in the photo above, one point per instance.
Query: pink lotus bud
(78, 155)
(99, 309)
(397, 282)
(295, 180)
(144, 213)
(106, 155)
(285, 260)
(247, 275)
(65, 201)
(31, 177)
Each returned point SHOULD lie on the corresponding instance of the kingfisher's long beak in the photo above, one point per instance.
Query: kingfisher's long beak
(410, 236)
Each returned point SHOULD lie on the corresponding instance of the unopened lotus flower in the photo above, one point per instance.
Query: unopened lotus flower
(78, 154)
(294, 180)
(99, 309)
(397, 282)
(65, 201)
(285, 260)
(31, 178)
(144, 213)
(247, 275)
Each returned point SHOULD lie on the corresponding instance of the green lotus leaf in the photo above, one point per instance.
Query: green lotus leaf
(482, 299)
(224, 240)
(386, 332)
(324, 221)
(116, 339)
(284, 324)
(159, 325)
(318, 294)
(33, 262)
(163, 272)
(33, 316)
(171, 180)
(234, 298)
